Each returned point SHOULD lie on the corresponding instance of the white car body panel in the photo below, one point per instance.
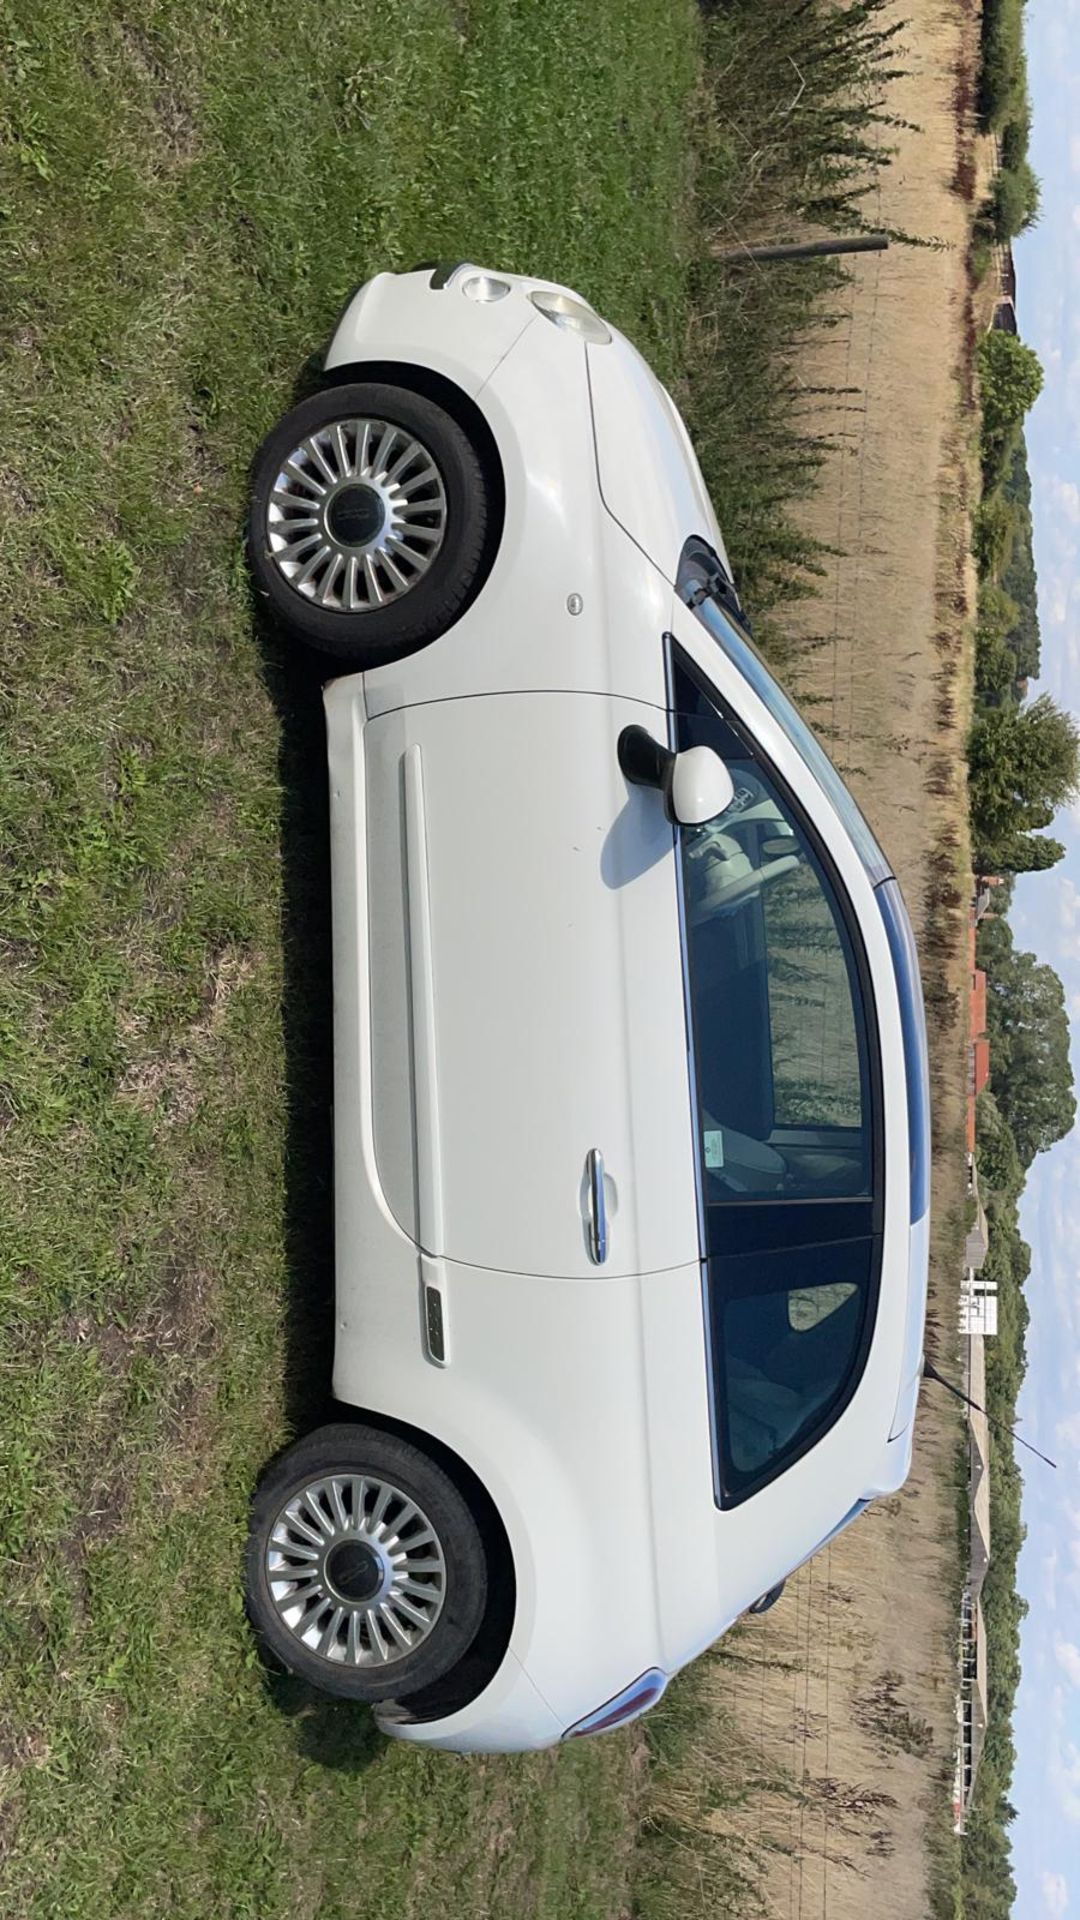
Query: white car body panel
(508, 994)
(546, 942)
(393, 317)
(640, 436)
(558, 542)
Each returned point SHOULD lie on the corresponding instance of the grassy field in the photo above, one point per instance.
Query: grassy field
(188, 194)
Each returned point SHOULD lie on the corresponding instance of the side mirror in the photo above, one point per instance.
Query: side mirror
(696, 784)
(701, 787)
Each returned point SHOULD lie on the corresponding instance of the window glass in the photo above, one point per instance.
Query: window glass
(777, 1018)
(788, 1331)
(700, 584)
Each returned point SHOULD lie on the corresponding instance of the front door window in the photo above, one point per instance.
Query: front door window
(780, 1027)
(779, 1032)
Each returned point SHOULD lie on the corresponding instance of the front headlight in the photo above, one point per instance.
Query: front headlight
(572, 314)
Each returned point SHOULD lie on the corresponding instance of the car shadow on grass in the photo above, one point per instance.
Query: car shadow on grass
(294, 682)
(340, 1734)
(336, 1733)
(294, 678)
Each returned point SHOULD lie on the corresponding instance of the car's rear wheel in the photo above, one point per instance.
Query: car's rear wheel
(366, 1570)
(369, 519)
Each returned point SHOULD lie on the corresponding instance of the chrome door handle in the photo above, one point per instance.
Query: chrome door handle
(597, 1203)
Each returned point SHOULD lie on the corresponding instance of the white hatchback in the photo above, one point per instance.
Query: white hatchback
(631, 1110)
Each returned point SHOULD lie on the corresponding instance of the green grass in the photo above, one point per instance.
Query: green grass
(187, 194)
(188, 191)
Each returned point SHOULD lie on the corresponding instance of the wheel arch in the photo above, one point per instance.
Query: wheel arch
(443, 392)
(485, 1656)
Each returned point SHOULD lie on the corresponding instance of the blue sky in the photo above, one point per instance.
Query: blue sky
(1046, 917)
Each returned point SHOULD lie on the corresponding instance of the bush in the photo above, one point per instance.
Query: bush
(1011, 378)
(1000, 1168)
(801, 87)
(1003, 80)
(998, 613)
(1016, 138)
(1013, 206)
(1024, 764)
(993, 532)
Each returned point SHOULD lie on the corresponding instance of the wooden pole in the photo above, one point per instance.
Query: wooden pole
(808, 249)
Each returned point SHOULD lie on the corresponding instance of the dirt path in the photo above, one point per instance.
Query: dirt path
(844, 1695)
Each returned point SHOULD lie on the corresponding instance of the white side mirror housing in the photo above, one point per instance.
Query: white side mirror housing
(701, 787)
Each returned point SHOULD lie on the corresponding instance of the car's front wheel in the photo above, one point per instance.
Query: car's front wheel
(366, 1571)
(369, 520)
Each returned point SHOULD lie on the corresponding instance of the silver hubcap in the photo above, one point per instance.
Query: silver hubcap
(356, 1571)
(357, 515)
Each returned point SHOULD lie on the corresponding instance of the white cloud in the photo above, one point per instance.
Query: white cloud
(1063, 1763)
(1055, 1892)
(1068, 1658)
(1066, 492)
(1051, 1567)
(1068, 903)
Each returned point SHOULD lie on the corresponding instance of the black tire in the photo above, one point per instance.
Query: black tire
(425, 611)
(368, 1452)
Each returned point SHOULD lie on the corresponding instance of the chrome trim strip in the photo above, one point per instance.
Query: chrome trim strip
(597, 1200)
(429, 1190)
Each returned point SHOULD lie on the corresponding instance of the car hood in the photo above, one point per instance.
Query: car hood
(650, 480)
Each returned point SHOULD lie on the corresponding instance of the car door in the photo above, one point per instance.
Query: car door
(786, 1074)
(532, 1107)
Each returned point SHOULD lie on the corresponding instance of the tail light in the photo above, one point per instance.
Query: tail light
(637, 1698)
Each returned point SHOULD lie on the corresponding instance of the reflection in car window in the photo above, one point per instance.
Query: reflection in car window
(777, 1016)
(701, 584)
(787, 1330)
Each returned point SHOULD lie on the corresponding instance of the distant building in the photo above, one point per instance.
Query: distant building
(977, 1244)
(978, 1305)
(978, 1297)
(1004, 316)
(985, 884)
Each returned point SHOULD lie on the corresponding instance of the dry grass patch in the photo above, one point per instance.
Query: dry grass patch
(834, 1714)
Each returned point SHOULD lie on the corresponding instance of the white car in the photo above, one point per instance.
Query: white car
(631, 1109)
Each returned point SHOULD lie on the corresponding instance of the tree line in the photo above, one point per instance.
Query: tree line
(1030, 1105)
(1024, 765)
(1023, 755)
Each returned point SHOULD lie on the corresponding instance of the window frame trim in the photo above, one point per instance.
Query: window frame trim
(725, 1497)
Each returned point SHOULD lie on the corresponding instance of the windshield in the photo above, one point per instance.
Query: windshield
(705, 587)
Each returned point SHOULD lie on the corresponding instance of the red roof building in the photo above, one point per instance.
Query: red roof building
(979, 1056)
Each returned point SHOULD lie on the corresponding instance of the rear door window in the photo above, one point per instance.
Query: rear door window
(787, 1329)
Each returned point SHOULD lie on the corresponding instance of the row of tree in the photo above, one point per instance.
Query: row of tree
(1024, 765)
(1005, 105)
(1024, 757)
(1029, 1106)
